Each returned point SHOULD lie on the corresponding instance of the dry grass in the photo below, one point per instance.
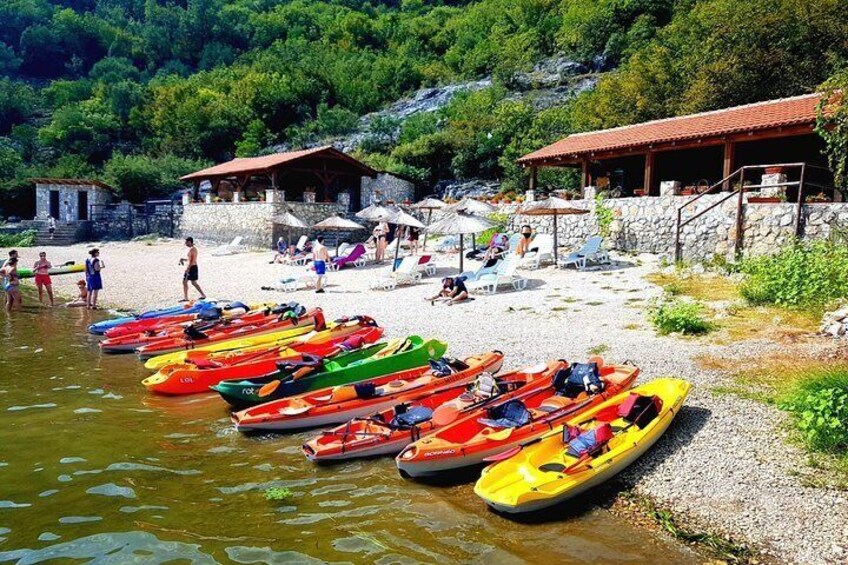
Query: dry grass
(706, 287)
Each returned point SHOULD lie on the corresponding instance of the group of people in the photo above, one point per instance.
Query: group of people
(382, 235)
(88, 288)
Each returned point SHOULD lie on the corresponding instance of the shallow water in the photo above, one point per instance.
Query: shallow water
(93, 469)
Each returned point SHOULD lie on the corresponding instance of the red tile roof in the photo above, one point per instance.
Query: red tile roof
(264, 164)
(798, 110)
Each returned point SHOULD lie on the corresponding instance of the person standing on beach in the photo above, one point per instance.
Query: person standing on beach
(51, 226)
(93, 280)
(191, 274)
(320, 257)
(12, 283)
(13, 255)
(41, 268)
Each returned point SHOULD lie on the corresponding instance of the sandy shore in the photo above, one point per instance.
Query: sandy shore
(725, 464)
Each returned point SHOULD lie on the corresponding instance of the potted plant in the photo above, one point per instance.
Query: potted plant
(764, 199)
(775, 170)
(640, 192)
(820, 198)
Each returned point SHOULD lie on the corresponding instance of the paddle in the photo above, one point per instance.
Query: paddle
(269, 388)
(499, 435)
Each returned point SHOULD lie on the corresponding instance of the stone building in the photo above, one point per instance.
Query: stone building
(69, 200)
(386, 187)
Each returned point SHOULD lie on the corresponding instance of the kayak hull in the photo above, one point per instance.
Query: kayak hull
(100, 327)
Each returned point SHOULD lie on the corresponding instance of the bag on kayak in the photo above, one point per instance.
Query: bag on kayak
(406, 419)
(210, 314)
(578, 378)
(582, 442)
(640, 410)
(365, 390)
(441, 367)
(193, 333)
(511, 414)
(351, 343)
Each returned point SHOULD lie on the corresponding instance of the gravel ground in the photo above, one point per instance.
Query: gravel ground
(725, 464)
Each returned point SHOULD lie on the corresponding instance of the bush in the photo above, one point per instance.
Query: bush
(21, 239)
(820, 407)
(679, 316)
(803, 274)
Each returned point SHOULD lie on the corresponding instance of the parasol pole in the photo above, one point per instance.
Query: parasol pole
(556, 251)
(397, 249)
(461, 246)
(426, 231)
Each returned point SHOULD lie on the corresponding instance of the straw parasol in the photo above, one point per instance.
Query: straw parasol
(458, 223)
(377, 213)
(290, 221)
(473, 206)
(552, 206)
(337, 223)
(429, 204)
(401, 218)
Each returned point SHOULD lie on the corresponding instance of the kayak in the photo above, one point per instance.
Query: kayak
(191, 340)
(341, 403)
(188, 308)
(198, 373)
(585, 452)
(243, 344)
(194, 330)
(231, 311)
(53, 271)
(389, 431)
(315, 373)
(516, 420)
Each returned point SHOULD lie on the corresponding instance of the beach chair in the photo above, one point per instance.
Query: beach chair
(592, 251)
(231, 248)
(301, 256)
(448, 243)
(544, 245)
(472, 276)
(427, 265)
(406, 273)
(343, 249)
(355, 257)
(506, 273)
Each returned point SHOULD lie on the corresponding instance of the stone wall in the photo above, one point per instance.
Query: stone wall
(221, 222)
(125, 221)
(649, 225)
(68, 200)
(385, 187)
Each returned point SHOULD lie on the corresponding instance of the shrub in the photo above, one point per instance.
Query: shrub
(679, 316)
(278, 493)
(21, 239)
(803, 274)
(820, 407)
(604, 214)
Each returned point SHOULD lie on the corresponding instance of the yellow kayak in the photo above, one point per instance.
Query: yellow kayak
(255, 342)
(585, 451)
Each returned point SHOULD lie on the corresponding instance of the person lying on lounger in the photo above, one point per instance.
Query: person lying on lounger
(453, 291)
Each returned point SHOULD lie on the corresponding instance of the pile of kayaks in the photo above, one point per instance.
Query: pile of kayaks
(543, 433)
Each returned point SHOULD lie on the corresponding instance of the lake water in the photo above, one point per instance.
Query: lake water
(94, 469)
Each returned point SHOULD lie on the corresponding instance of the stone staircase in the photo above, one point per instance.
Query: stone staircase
(65, 234)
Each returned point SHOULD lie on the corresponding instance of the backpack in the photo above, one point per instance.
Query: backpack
(578, 378)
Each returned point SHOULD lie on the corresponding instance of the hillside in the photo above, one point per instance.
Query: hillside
(140, 91)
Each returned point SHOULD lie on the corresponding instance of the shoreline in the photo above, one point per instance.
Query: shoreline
(724, 467)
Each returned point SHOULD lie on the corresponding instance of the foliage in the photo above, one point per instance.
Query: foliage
(25, 238)
(604, 214)
(803, 274)
(277, 493)
(139, 177)
(500, 221)
(832, 126)
(820, 406)
(679, 316)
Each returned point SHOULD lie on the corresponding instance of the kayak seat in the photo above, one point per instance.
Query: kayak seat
(411, 417)
(640, 410)
(204, 363)
(587, 441)
(511, 414)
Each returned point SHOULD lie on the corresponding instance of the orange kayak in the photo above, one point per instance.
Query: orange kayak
(389, 431)
(517, 420)
(190, 340)
(340, 403)
(203, 370)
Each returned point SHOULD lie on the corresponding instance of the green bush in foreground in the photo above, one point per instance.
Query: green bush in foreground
(802, 274)
(820, 407)
(679, 316)
(22, 239)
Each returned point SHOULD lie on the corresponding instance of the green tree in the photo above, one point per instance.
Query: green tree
(832, 126)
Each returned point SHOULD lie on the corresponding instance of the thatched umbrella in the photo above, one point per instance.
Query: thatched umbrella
(337, 223)
(428, 204)
(458, 223)
(552, 206)
(377, 213)
(475, 207)
(401, 218)
(290, 221)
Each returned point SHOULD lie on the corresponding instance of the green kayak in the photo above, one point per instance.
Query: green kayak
(315, 373)
(61, 270)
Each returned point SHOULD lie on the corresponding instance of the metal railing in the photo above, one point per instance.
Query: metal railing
(737, 177)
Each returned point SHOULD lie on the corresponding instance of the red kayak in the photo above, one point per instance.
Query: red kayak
(204, 369)
(389, 431)
(340, 403)
(244, 328)
(148, 325)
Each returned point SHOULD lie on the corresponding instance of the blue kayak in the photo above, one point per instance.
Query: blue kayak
(199, 307)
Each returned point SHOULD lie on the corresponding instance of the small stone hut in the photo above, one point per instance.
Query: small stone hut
(69, 200)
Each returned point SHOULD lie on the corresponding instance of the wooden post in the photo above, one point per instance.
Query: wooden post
(740, 218)
(649, 172)
(533, 178)
(799, 208)
(584, 174)
(727, 166)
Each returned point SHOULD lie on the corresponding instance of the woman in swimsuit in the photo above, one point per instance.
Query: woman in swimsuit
(380, 232)
(41, 268)
(12, 284)
(93, 280)
(524, 242)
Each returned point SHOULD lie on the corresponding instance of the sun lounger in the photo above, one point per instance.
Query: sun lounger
(427, 265)
(592, 251)
(544, 245)
(472, 276)
(231, 248)
(448, 243)
(406, 273)
(506, 273)
(343, 249)
(355, 257)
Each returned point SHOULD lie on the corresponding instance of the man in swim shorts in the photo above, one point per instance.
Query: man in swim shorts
(191, 274)
(320, 257)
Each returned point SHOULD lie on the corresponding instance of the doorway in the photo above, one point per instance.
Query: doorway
(82, 205)
(54, 204)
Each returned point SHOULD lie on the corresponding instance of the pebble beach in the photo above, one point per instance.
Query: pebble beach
(726, 465)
